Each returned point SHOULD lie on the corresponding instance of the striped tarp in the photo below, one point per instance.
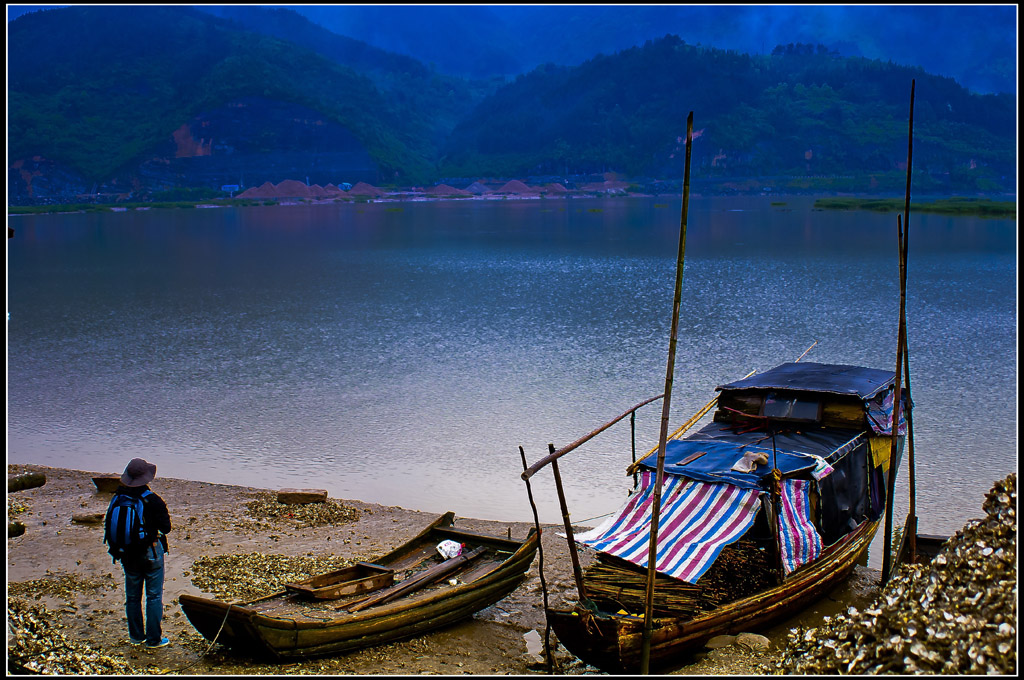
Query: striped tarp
(799, 540)
(879, 411)
(697, 520)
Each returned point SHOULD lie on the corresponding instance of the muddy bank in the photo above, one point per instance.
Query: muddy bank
(62, 566)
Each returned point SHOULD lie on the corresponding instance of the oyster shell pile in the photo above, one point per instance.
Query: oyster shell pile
(957, 615)
(15, 507)
(61, 585)
(328, 513)
(37, 645)
(236, 578)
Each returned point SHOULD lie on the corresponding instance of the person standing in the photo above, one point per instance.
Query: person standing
(142, 558)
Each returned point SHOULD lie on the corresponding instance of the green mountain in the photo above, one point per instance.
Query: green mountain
(410, 85)
(148, 98)
(801, 111)
(100, 89)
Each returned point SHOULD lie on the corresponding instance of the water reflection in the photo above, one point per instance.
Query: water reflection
(401, 353)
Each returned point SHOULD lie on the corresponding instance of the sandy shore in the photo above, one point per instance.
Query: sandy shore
(63, 565)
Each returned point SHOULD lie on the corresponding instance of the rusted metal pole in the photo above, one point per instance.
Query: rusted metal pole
(903, 231)
(577, 571)
(652, 552)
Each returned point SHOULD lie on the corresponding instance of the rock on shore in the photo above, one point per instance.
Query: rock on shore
(957, 615)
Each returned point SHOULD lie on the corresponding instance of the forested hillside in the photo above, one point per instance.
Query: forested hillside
(800, 111)
(148, 97)
(99, 88)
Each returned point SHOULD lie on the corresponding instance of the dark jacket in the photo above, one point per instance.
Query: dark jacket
(156, 521)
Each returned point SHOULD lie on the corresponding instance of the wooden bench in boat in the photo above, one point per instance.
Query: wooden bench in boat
(363, 577)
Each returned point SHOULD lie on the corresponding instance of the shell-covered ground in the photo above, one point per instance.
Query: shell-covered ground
(66, 601)
(955, 616)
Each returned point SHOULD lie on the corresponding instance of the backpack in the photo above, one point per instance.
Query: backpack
(124, 532)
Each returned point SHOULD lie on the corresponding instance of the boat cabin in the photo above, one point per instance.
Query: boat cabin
(795, 460)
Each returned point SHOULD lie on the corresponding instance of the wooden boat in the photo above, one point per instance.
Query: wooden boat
(926, 547)
(795, 414)
(407, 592)
(767, 508)
(612, 642)
(107, 483)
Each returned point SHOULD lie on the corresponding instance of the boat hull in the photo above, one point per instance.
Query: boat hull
(613, 643)
(294, 632)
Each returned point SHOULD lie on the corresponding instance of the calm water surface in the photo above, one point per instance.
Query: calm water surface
(401, 354)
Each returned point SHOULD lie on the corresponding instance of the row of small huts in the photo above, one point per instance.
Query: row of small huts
(290, 188)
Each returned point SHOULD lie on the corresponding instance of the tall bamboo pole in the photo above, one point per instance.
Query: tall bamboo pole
(903, 230)
(910, 528)
(652, 552)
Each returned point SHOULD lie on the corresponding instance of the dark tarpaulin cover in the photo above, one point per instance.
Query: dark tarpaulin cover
(796, 450)
(811, 377)
(845, 498)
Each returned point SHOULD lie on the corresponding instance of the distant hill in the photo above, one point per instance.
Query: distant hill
(409, 83)
(974, 44)
(96, 91)
(150, 98)
(802, 111)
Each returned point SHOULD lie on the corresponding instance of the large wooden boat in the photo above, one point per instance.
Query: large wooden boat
(821, 426)
(407, 592)
(750, 518)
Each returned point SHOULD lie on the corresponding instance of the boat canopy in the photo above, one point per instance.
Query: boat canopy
(856, 381)
(696, 522)
(718, 453)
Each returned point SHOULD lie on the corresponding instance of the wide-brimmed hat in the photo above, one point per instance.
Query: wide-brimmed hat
(138, 473)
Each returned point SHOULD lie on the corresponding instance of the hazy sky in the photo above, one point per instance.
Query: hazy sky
(973, 43)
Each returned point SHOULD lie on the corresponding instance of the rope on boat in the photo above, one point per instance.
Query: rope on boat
(207, 650)
(590, 519)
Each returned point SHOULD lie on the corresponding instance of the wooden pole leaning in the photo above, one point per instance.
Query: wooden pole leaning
(652, 552)
(902, 230)
(549, 660)
(635, 465)
(577, 570)
(910, 529)
(555, 455)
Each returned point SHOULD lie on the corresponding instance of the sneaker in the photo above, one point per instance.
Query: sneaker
(133, 641)
(163, 643)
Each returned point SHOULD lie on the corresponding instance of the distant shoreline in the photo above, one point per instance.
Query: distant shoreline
(955, 206)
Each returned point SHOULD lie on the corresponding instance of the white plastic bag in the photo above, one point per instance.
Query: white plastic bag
(449, 549)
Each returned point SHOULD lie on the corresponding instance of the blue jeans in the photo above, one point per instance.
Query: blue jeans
(149, 570)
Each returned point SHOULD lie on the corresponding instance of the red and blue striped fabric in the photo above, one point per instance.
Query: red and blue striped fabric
(799, 540)
(697, 520)
(879, 411)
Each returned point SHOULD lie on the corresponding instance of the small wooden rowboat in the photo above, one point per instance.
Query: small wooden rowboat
(404, 593)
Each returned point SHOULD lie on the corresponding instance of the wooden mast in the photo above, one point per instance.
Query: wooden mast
(652, 552)
(903, 228)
